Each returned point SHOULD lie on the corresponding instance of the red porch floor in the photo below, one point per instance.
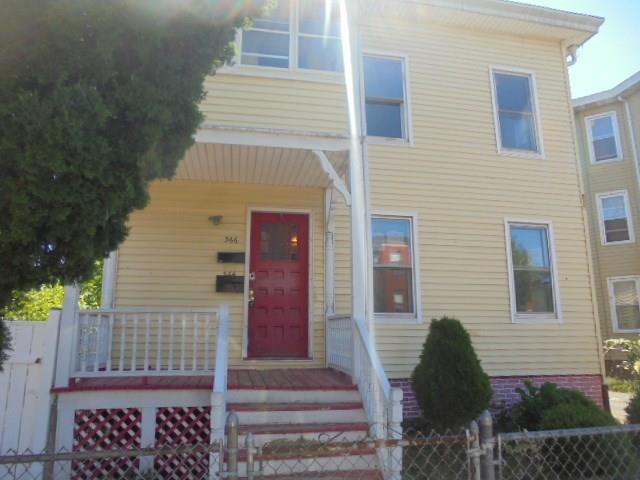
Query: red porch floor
(238, 379)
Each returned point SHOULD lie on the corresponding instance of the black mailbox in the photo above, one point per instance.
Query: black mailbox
(229, 283)
(230, 257)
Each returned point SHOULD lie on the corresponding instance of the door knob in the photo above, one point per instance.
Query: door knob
(252, 297)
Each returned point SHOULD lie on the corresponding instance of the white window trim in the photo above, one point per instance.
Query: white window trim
(403, 318)
(293, 72)
(493, 69)
(627, 209)
(533, 318)
(612, 301)
(616, 134)
(407, 126)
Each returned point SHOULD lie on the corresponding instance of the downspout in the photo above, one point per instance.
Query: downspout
(632, 134)
(572, 54)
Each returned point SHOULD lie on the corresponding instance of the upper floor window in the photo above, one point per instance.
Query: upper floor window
(385, 97)
(297, 34)
(604, 138)
(393, 266)
(515, 110)
(531, 276)
(615, 219)
(624, 297)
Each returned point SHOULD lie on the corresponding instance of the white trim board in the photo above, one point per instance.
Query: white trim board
(533, 318)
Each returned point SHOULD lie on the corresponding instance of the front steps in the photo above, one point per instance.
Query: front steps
(301, 422)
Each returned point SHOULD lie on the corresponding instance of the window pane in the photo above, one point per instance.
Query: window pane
(265, 61)
(383, 78)
(384, 119)
(614, 214)
(605, 149)
(514, 93)
(315, 19)
(602, 127)
(278, 18)
(616, 230)
(517, 131)
(529, 247)
(613, 207)
(392, 260)
(534, 291)
(626, 299)
(393, 290)
(265, 43)
(279, 241)
(320, 54)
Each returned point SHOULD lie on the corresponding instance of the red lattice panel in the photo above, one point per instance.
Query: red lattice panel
(182, 426)
(106, 429)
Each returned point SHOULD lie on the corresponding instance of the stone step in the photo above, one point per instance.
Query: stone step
(248, 395)
(293, 413)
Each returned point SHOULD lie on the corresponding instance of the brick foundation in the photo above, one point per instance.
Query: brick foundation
(504, 389)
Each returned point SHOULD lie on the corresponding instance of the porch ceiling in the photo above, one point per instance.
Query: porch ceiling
(225, 163)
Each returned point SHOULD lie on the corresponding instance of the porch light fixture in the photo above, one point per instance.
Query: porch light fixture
(215, 219)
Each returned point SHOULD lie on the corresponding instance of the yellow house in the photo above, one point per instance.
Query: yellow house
(608, 145)
(361, 169)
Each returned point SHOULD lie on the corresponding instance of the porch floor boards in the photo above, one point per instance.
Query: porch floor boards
(237, 379)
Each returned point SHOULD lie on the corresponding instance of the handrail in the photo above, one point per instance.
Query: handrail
(222, 352)
(374, 358)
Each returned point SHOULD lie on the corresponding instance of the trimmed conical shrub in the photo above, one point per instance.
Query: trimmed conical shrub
(450, 385)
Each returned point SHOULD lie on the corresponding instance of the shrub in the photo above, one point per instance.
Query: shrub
(633, 409)
(450, 385)
(575, 415)
(5, 342)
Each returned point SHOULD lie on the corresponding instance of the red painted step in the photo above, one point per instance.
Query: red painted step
(284, 428)
(291, 407)
(290, 454)
(338, 475)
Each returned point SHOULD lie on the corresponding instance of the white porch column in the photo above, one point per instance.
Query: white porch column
(109, 270)
(360, 233)
(67, 339)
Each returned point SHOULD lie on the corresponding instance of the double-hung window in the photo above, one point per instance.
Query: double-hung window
(515, 111)
(624, 296)
(534, 294)
(615, 219)
(385, 97)
(297, 34)
(604, 138)
(394, 282)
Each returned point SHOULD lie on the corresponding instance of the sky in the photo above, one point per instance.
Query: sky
(613, 55)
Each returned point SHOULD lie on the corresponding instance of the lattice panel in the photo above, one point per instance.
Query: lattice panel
(106, 429)
(182, 426)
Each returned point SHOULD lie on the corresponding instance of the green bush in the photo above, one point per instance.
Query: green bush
(575, 415)
(450, 385)
(5, 342)
(633, 409)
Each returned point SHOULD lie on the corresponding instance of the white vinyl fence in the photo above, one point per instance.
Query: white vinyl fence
(25, 384)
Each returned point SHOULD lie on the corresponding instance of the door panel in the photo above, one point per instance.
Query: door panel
(279, 266)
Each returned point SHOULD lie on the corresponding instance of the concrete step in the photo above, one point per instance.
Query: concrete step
(242, 395)
(292, 413)
(326, 432)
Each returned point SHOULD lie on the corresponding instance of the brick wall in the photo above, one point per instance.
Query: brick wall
(504, 389)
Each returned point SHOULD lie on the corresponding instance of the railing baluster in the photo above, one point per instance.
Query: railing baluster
(183, 340)
(134, 349)
(98, 327)
(122, 341)
(172, 335)
(195, 344)
(83, 340)
(159, 352)
(147, 340)
(207, 325)
(110, 342)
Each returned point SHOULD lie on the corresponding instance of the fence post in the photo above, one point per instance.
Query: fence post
(394, 432)
(487, 444)
(474, 450)
(250, 444)
(231, 430)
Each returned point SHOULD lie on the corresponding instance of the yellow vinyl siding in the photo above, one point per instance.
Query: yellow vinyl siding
(610, 260)
(169, 258)
(271, 103)
(462, 190)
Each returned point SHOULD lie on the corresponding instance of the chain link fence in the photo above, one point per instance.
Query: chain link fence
(470, 454)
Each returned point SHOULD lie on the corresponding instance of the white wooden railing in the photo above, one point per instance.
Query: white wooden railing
(144, 341)
(350, 349)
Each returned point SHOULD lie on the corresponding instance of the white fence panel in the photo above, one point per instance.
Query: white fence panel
(25, 385)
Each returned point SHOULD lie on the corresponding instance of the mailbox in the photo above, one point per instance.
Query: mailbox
(229, 283)
(230, 257)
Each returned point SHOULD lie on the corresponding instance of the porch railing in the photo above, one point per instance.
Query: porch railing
(339, 339)
(145, 341)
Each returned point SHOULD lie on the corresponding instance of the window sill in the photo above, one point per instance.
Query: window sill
(622, 242)
(623, 331)
(397, 320)
(521, 154)
(604, 162)
(400, 142)
(536, 319)
(318, 76)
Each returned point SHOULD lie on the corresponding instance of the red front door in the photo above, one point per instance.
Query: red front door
(279, 285)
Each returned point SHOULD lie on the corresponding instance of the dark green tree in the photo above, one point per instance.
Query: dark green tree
(450, 385)
(97, 98)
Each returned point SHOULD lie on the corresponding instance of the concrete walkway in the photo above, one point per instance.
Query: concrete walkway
(618, 402)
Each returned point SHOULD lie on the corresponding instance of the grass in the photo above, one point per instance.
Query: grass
(622, 386)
